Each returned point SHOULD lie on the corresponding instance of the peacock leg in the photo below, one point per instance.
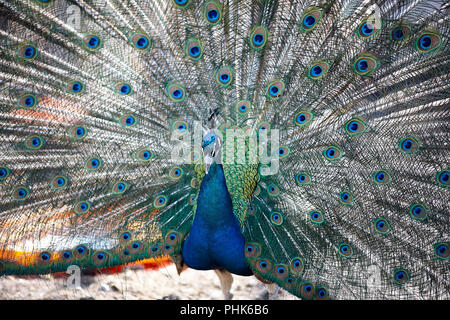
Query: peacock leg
(226, 280)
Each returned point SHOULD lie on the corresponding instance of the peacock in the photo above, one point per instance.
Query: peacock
(305, 142)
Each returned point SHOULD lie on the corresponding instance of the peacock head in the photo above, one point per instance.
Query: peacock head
(211, 146)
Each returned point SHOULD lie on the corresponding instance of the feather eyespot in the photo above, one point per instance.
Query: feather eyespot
(263, 265)
(243, 106)
(78, 132)
(297, 266)
(154, 250)
(280, 272)
(258, 37)
(59, 182)
(275, 89)
(212, 12)
(443, 178)
(175, 92)
(441, 250)
(160, 202)
(27, 52)
(365, 65)
(355, 127)
(75, 87)
(182, 3)
(283, 152)
(401, 276)
(21, 193)
(316, 217)
(4, 173)
(409, 145)
(368, 28)
(82, 207)
(310, 19)
(192, 199)
(44, 2)
(92, 42)
(303, 178)
(381, 177)
(346, 197)
(34, 142)
(418, 211)
(252, 250)
(194, 49)
(100, 258)
(263, 127)
(224, 76)
(81, 251)
(172, 238)
(176, 173)
(345, 250)
(140, 41)
(276, 218)
(120, 187)
(124, 88)
(67, 255)
(321, 293)
(400, 33)
(45, 256)
(318, 70)
(307, 290)
(428, 42)
(303, 118)
(180, 127)
(125, 236)
(382, 225)
(273, 190)
(128, 120)
(332, 153)
(144, 155)
(27, 101)
(94, 163)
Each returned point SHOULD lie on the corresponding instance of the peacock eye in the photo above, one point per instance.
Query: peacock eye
(92, 42)
(34, 142)
(318, 70)
(194, 49)
(126, 236)
(160, 202)
(140, 41)
(258, 37)
(224, 76)
(4, 173)
(428, 41)
(345, 250)
(441, 250)
(381, 177)
(310, 19)
(175, 92)
(401, 276)
(81, 249)
(275, 89)
(45, 256)
(303, 118)
(28, 52)
(212, 12)
(443, 178)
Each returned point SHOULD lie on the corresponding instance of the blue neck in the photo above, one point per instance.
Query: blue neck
(215, 240)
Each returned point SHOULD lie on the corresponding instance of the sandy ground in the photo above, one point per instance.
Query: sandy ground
(138, 285)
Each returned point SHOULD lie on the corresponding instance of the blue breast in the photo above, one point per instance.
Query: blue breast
(215, 240)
